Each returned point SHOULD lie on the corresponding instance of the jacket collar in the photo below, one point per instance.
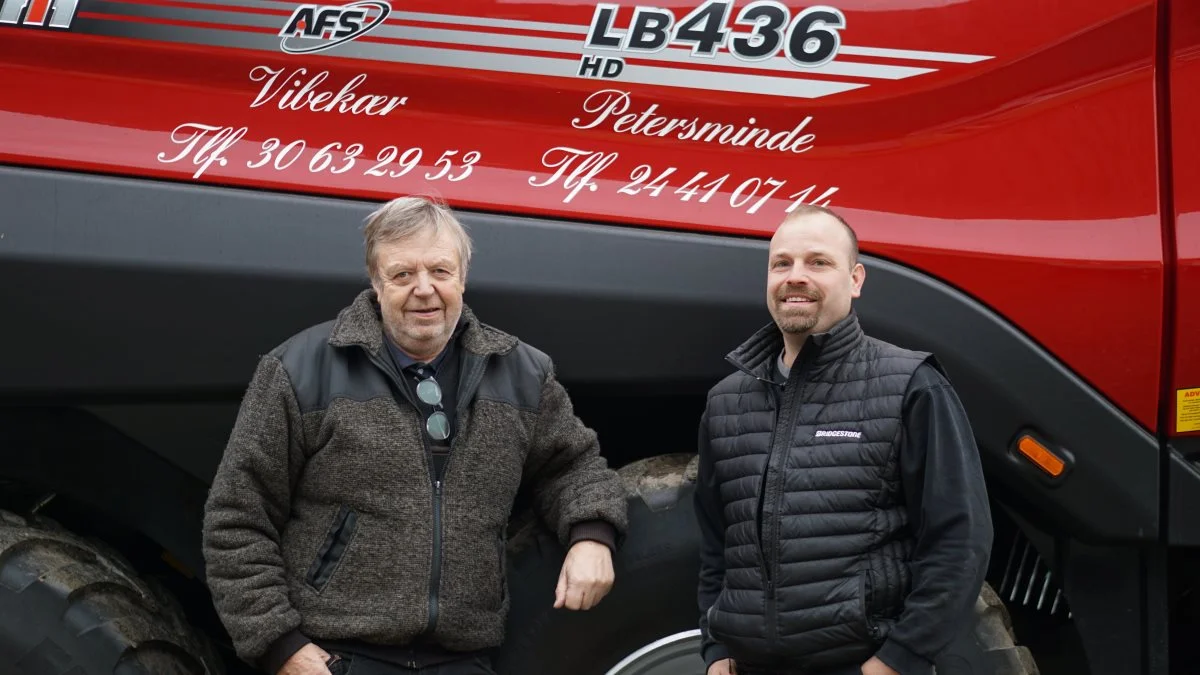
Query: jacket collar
(755, 355)
(361, 325)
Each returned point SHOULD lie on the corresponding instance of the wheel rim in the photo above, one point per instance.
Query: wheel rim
(678, 654)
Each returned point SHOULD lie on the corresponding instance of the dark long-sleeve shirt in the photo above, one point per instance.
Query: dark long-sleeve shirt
(946, 499)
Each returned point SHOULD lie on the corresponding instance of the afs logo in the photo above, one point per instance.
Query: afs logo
(59, 12)
(315, 28)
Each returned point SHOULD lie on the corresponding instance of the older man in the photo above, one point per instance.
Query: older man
(358, 515)
(840, 495)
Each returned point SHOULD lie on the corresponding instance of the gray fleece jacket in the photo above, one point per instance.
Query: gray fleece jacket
(324, 520)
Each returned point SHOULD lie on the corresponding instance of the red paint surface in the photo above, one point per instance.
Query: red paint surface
(1185, 133)
(1028, 180)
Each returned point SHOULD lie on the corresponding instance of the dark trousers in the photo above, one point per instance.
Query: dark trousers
(354, 664)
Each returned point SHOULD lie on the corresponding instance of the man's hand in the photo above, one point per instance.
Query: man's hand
(586, 577)
(874, 666)
(310, 660)
(723, 667)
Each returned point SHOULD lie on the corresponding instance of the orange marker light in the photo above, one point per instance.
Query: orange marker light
(1038, 454)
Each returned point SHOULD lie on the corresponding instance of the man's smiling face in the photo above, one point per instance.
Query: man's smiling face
(420, 286)
(811, 274)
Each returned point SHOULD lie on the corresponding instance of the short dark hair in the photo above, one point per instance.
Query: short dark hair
(811, 210)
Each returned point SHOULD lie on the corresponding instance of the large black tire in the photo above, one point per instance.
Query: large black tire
(654, 594)
(654, 599)
(989, 647)
(70, 607)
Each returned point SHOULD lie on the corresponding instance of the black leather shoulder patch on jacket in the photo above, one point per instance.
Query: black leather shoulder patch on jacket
(321, 372)
(516, 377)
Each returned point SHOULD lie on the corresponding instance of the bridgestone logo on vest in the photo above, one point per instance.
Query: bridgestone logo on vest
(840, 434)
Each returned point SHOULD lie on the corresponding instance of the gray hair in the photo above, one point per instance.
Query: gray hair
(406, 217)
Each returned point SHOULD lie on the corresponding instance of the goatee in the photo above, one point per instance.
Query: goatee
(797, 324)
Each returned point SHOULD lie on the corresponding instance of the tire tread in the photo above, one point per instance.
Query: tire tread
(76, 607)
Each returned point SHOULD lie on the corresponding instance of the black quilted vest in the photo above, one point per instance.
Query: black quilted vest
(816, 534)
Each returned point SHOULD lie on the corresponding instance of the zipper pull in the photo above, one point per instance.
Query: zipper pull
(437, 488)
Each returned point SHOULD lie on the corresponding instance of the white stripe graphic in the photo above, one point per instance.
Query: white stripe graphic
(487, 61)
(575, 48)
(508, 41)
(880, 53)
(575, 29)
(483, 22)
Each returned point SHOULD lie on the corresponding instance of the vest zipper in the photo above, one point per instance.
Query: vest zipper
(780, 442)
(779, 449)
(762, 491)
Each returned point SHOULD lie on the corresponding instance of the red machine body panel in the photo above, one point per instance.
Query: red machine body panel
(1185, 135)
(950, 134)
